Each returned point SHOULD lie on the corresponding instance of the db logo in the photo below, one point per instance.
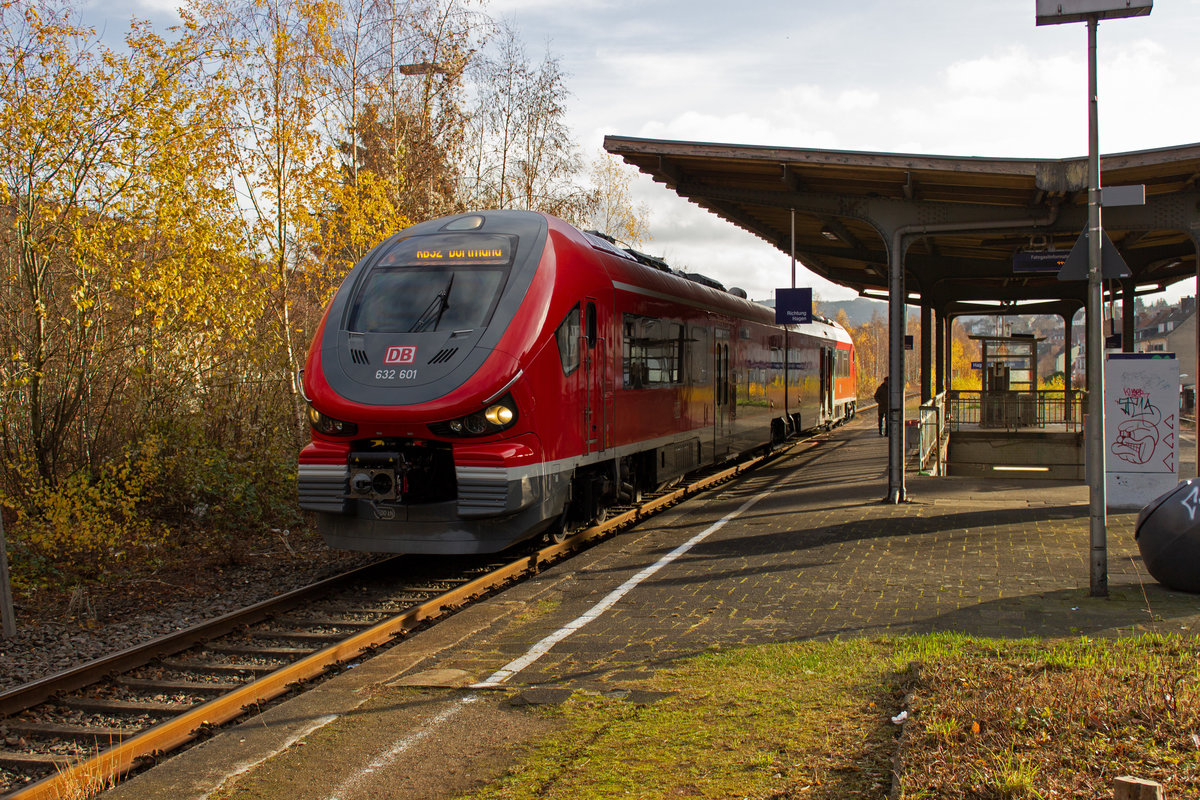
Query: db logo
(400, 354)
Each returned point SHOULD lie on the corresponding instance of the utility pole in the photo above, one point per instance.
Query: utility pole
(1054, 12)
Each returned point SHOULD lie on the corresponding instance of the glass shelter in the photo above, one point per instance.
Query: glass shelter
(1010, 381)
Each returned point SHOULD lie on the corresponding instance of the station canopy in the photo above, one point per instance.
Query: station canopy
(964, 220)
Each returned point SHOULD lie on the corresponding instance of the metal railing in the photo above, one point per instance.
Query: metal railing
(1044, 408)
(931, 424)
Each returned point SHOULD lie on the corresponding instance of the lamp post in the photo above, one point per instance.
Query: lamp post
(1054, 12)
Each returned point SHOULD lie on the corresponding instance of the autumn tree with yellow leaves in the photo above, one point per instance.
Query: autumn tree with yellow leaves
(118, 266)
(614, 211)
(278, 55)
(398, 121)
(176, 212)
(106, 195)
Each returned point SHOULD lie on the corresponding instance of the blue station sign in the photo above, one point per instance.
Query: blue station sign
(793, 306)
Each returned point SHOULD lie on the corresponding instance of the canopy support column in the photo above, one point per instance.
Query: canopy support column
(927, 382)
(942, 356)
(896, 323)
(1128, 326)
(1069, 364)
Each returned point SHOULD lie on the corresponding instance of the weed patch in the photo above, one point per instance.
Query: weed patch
(986, 720)
(1059, 719)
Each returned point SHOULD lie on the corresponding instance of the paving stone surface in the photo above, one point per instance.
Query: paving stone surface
(821, 556)
(815, 554)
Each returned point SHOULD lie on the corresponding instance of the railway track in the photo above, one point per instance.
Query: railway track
(88, 726)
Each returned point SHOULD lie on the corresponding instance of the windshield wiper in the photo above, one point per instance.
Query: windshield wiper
(433, 314)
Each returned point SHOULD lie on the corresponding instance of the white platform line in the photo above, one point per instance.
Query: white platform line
(537, 651)
(506, 673)
(398, 749)
(245, 766)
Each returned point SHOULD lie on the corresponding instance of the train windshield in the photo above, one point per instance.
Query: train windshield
(429, 283)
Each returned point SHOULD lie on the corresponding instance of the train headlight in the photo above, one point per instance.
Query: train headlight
(330, 426)
(499, 415)
(493, 419)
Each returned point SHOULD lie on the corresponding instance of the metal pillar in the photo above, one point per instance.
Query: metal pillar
(1098, 521)
(941, 356)
(793, 248)
(926, 354)
(1069, 364)
(896, 323)
(1196, 364)
(901, 238)
(787, 344)
(1128, 324)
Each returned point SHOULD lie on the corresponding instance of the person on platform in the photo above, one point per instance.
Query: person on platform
(882, 397)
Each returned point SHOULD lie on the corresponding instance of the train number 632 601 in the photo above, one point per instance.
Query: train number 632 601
(395, 374)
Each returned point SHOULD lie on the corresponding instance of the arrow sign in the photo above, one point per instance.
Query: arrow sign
(1111, 263)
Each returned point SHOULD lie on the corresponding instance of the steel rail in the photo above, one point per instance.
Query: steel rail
(27, 695)
(123, 757)
(177, 731)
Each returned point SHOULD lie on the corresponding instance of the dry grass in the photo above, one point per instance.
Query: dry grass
(813, 720)
(1030, 720)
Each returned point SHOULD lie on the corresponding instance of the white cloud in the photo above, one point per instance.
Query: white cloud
(1012, 68)
(942, 77)
(118, 14)
(513, 8)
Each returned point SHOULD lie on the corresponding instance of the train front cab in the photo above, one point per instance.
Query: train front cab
(481, 490)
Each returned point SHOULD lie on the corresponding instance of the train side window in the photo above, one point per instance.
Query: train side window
(699, 355)
(656, 368)
(567, 337)
(590, 325)
(680, 350)
(658, 357)
(652, 352)
(633, 353)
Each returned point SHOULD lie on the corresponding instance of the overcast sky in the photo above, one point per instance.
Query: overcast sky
(945, 77)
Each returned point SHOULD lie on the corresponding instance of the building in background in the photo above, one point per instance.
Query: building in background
(1173, 330)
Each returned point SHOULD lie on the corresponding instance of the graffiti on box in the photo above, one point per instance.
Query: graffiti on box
(1141, 434)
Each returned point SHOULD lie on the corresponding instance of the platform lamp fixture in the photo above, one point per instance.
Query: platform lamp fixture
(1055, 12)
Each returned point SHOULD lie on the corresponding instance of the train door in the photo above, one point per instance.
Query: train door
(723, 384)
(826, 384)
(597, 389)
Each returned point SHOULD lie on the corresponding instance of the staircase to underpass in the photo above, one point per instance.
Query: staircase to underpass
(1031, 454)
(1037, 435)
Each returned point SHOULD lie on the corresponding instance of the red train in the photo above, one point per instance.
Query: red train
(483, 378)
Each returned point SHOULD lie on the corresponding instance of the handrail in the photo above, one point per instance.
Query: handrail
(1012, 410)
(931, 419)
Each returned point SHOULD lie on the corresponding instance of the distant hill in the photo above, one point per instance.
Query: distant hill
(858, 309)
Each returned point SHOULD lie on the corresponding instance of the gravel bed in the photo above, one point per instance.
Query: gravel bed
(45, 643)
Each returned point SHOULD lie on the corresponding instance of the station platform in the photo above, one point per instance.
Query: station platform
(800, 548)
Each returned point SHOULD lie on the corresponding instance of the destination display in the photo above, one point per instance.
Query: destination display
(1040, 261)
(456, 249)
